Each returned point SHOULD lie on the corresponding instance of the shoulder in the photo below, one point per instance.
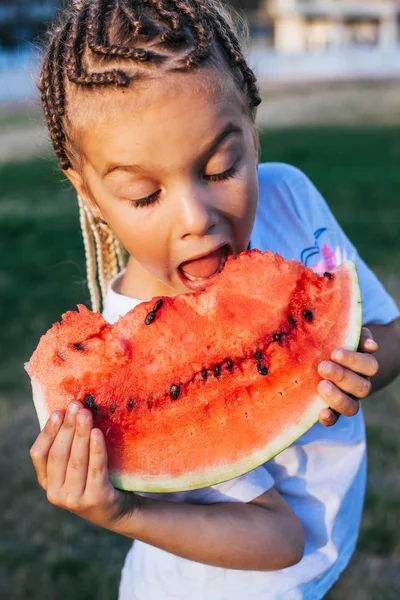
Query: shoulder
(288, 182)
(277, 173)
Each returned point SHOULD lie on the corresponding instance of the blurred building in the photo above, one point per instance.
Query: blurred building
(298, 26)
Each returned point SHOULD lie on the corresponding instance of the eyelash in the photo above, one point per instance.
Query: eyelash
(153, 198)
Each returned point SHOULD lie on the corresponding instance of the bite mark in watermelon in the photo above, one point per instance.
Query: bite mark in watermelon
(200, 388)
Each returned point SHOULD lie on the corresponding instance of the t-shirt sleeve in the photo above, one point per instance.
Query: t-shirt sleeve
(335, 247)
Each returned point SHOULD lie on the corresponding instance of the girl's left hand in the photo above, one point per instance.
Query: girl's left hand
(346, 379)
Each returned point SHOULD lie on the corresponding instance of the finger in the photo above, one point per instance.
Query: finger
(97, 470)
(76, 476)
(39, 452)
(337, 399)
(61, 448)
(363, 364)
(367, 343)
(345, 380)
(328, 417)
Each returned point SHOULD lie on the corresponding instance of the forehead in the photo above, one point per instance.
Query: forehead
(174, 105)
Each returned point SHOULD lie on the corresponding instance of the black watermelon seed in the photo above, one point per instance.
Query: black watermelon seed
(262, 369)
(131, 404)
(292, 322)
(204, 374)
(90, 403)
(277, 337)
(158, 304)
(229, 364)
(217, 370)
(79, 347)
(327, 274)
(307, 314)
(150, 317)
(258, 355)
(175, 390)
(112, 409)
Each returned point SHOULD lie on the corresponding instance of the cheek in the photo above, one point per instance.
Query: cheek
(142, 232)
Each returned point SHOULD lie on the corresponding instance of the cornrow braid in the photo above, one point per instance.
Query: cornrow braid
(137, 36)
(53, 94)
(234, 51)
(203, 29)
(96, 39)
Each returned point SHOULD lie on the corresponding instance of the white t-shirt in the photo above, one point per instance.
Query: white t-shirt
(322, 475)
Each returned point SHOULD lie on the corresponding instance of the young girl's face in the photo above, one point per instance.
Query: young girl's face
(172, 168)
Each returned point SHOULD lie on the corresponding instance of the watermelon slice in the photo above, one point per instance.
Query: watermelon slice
(194, 390)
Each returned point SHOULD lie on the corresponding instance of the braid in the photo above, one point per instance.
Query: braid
(75, 48)
(97, 43)
(52, 93)
(104, 254)
(202, 28)
(86, 219)
(235, 54)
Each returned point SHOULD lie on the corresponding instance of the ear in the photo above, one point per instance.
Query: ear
(82, 190)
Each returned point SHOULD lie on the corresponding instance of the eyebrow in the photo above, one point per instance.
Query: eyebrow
(228, 130)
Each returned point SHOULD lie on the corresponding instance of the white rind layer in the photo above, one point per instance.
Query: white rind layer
(39, 401)
(353, 331)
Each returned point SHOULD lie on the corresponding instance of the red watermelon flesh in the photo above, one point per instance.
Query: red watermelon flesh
(200, 388)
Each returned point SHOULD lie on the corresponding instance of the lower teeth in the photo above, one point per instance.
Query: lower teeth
(194, 278)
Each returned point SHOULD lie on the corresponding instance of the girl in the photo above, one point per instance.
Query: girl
(151, 109)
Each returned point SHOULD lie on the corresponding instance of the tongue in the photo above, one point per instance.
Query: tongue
(203, 267)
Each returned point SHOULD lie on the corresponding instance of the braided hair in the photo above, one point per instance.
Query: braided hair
(116, 43)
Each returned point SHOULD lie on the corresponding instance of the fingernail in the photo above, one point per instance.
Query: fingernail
(338, 355)
(370, 341)
(326, 387)
(95, 435)
(82, 418)
(73, 408)
(326, 368)
(55, 417)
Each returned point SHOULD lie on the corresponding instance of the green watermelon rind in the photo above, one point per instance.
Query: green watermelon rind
(214, 476)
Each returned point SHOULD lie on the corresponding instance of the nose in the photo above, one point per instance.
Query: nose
(197, 212)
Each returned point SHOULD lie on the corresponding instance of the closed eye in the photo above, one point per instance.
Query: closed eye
(231, 172)
(153, 198)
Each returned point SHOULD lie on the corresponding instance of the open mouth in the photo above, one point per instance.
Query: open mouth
(196, 274)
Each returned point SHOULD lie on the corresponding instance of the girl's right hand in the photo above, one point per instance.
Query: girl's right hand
(70, 460)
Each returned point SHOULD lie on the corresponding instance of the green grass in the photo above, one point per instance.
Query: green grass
(48, 553)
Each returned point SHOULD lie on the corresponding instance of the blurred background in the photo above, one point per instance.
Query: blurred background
(329, 72)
